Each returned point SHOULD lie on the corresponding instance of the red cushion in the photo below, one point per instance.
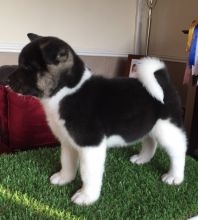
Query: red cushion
(24, 122)
(3, 119)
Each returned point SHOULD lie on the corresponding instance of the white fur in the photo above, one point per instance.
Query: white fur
(193, 218)
(92, 160)
(145, 73)
(69, 163)
(116, 141)
(149, 145)
(173, 140)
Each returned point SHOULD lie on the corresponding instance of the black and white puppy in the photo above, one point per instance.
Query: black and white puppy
(90, 113)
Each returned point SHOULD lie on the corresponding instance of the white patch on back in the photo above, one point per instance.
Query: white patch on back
(145, 73)
(118, 141)
(115, 141)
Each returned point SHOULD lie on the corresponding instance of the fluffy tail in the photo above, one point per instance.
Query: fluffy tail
(147, 72)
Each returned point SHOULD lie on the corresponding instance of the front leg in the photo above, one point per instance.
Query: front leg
(69, 165)
(92, 161)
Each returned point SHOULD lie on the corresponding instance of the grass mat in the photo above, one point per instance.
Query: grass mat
(129, 191)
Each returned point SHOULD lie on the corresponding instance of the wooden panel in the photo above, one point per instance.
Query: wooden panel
(106, 66)
(169, 19)
(176, 71)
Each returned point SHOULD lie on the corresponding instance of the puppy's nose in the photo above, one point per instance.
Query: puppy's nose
(8, 81)
(5, 81)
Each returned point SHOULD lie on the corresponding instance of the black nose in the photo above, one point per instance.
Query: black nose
(5, 81)
(8, 81)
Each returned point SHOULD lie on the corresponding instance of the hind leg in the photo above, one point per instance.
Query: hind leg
(173, 140)
(147, 152)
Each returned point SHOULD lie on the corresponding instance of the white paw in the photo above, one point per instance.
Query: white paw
(60, 179)
(171, 179)
(139, 159)
(83, 198)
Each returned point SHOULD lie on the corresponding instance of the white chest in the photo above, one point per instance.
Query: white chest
(56, 124)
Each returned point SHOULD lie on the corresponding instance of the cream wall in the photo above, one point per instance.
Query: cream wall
(100, 27)
(170, 17)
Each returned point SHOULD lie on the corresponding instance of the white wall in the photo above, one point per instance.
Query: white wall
(90, 26)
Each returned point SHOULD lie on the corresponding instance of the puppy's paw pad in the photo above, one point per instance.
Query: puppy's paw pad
(82, 198)
(58, 179)
(171, 179)
(139, 159)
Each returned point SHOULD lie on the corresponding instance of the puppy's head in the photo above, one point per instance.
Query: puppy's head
(40, 66)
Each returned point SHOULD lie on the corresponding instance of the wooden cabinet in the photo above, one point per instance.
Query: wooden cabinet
(191, 119)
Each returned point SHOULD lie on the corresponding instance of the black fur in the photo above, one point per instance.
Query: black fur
(104, 107)
(34, 59)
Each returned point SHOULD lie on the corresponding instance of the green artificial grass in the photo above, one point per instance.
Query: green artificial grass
(129, 191)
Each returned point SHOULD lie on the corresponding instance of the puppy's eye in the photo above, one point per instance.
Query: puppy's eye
(26, 67)
(62, 55)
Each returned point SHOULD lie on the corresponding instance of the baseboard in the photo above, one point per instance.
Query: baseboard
(17, 47)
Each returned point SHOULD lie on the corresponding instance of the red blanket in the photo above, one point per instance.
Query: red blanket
(22, 123)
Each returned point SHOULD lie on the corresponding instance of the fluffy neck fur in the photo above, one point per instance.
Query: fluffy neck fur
(70, 77)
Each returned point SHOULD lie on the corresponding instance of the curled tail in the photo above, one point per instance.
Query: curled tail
(152, 73)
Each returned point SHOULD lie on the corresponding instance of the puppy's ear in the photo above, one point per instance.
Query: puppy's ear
(32, 36)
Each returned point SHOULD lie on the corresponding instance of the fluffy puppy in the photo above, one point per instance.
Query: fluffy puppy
(89, 113)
